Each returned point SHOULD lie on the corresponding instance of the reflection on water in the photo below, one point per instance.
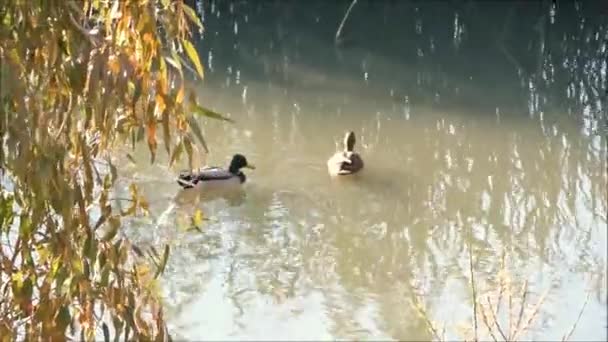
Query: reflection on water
(493, 146)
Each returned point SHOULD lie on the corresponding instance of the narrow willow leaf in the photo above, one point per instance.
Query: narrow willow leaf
(152, 140)
(163, 262)
(106, 332)
(105, 275)
(103, 218)
(143, 204)
(188, 148)
(137, 250)
(114, 12)
(131, 159)
(89, 249)
(25, 226)
(63, 318)
(193, 55)
(196, 129)
(140, 133)
(166, 132)
(114, 225)
(202, 111)
(164, 81)
(177, 152)
(6, 212)
(179, 98)
(176, 64)
(192, 15)
(113, 171)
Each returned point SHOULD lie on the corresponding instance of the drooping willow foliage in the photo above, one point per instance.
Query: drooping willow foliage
(78, 77)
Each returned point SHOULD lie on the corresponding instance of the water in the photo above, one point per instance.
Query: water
(472, 143)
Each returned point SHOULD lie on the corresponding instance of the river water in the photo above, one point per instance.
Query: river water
(483, 130)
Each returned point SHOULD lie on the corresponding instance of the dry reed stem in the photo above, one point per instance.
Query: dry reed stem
(522, 306)
(473, 290)
(417, 305)
(532, 316)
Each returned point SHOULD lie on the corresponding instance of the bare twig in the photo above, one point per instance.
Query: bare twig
(339, 32)
(90, 37)
(496, 322)
(567, 336)
(487, 322)
(532, 315)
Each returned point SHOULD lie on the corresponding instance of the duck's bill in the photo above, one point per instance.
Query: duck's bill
(250, 166)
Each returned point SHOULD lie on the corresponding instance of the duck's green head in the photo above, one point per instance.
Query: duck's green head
(238, 162)
(349, 141)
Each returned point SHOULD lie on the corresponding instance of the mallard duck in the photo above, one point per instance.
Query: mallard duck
(346, 162)
(216, 177)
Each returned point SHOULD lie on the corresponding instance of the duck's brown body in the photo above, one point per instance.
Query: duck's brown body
(346, 162)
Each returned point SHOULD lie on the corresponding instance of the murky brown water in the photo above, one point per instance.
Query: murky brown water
(303, 257)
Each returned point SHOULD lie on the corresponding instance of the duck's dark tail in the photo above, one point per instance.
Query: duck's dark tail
(186, 179)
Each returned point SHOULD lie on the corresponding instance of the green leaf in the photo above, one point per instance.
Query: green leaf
(192, 15)
(113, 171)
(106, 332)
(91, 248)
(193, 55)
(105, 275)
(25, 226)
(202, 111)
(166, 132)
(63, 318)
(6, 212)
(196, 129)
(131, 159)
(62, 275)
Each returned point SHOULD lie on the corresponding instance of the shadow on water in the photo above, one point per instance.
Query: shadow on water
(483, 129)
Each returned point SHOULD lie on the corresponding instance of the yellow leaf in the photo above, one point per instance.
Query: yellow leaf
(192, 15)
(179, 98)
(160, 105)
(18, 279)
(114, 12)
(114, 65)
(145, 207)
(163, 76)
(198, 109)
(193, 55)
(197, 220)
